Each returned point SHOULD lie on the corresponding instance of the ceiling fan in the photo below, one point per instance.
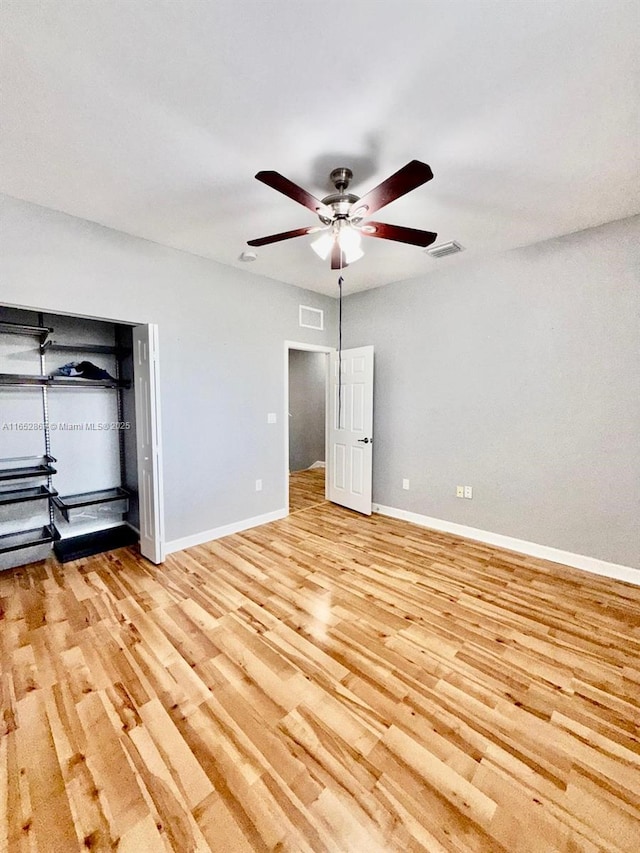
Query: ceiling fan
(343, 216)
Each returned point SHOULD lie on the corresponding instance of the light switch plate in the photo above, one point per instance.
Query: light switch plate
(271, 418)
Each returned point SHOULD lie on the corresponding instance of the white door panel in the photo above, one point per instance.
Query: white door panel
(350, 441)
(147, 383)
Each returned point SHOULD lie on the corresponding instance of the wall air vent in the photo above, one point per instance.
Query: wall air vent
(444, 249)
(311, 318)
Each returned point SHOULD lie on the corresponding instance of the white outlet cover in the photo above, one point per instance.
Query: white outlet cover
(405, 484)
(459, 491)
(271, 418)
(468, 492)
(258, 485)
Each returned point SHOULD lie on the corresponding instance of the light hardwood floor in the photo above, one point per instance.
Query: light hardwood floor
(324, 683)
(306, 489)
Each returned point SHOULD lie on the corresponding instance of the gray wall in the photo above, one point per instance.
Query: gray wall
(519, 376)
(222, 334)
(307, 381)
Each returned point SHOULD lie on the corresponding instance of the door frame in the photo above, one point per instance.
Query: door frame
(296, 345)
(153, 404)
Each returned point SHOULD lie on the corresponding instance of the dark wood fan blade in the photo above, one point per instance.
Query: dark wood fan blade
(283, 185)
(397, 232)
(284, 235)
(338, 260)
(403, 181)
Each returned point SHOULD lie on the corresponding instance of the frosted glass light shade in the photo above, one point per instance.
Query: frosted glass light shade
(348, 239)
(322, 246)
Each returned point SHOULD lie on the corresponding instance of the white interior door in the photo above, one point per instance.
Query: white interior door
(351, 439)
(147, 397)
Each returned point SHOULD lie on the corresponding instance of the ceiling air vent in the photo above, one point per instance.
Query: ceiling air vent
(444, 249)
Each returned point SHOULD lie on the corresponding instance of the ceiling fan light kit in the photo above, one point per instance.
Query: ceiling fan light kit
(342, 214)
(345, 235)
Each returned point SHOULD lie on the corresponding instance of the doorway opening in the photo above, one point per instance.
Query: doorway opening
(306, 437)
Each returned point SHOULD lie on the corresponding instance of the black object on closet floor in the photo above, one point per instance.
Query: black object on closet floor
(75, 547)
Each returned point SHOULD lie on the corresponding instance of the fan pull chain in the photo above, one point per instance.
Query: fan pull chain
(340, 283)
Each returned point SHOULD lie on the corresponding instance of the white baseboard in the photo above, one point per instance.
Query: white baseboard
(532, 549)
(317, 464)
(225, 530)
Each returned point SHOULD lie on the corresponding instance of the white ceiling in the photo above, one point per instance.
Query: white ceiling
(152, 117)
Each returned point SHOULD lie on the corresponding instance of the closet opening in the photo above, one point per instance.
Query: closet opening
(69, 437)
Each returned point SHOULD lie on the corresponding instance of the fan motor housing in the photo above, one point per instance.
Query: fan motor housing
(341, 178)
(340, 201)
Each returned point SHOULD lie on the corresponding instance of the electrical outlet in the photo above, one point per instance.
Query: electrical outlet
(459, 491)
(468, 492)
(271, 418)
(405, 484)
(258, 485)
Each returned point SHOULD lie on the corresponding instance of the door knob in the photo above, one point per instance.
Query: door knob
(366, 440)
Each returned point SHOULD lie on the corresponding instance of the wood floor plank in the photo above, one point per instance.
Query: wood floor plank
(48, 796)
(306, 489)
(327, 682)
